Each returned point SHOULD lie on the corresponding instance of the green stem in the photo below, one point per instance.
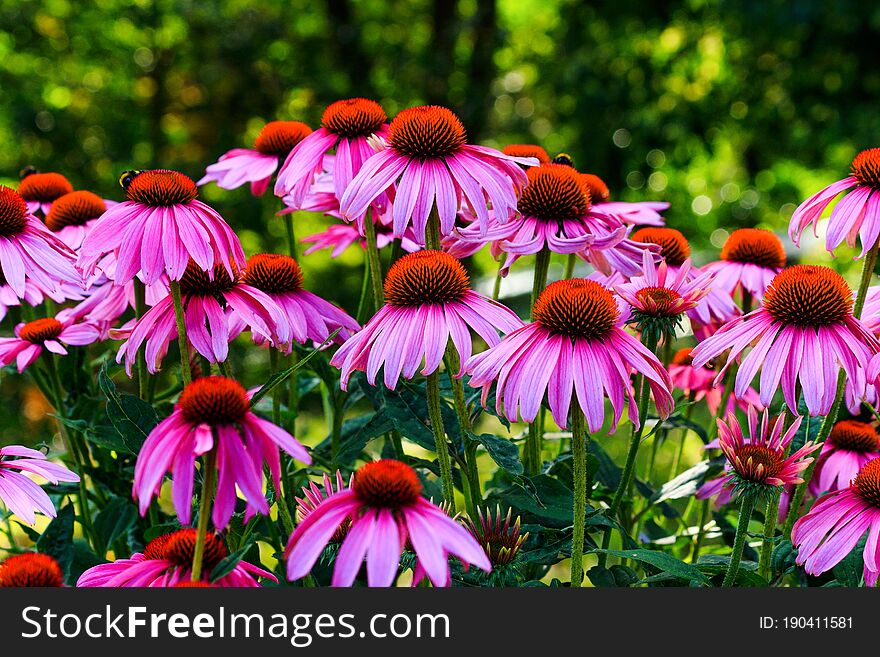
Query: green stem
(140, 305)
(496, 288)
(739, 542)
(292, 394)
(570, 262)
(276, 400)
(291, 238)
(579, 456)
(336, 435)
(183, 343)
(542, 268)
(363, 308)
(204, 513)
(453, 365)
(533, 448)
(436, 418)
(373, 261)
(770, 514)
(225, 369)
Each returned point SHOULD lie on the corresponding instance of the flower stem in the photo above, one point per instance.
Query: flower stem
(475, 496)
(579, 456)
(204, 513)
(276, 400)
(770, 514)
(436, 418)
(570, 262)
(140, 305)
(533, 447)
(496, 289)
(291, 238)
(739, 542)
(542, 268)
(373, 261)
(185, 372)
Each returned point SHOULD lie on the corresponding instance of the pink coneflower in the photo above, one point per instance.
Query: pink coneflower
(21, 494)
(836, 522)
(48, 333)
(849, 446)
(346, 127)
(623, 257)
(759, 461)
(214, 309)
(30, 251)
(660, 296)
(574, 346)
(308, 315)
(750, 259)
(73, 215)
(699, 383)
(158, 229)
(428, 300)
(385, 508)
(339, 237)
(40, 190)
(715, 307)
(167, 562)
(857, 215)
(555, 214)
(31, 570)
(804, 331)
(213, 414)
(433, 165)
(256, 165)
(642, 213)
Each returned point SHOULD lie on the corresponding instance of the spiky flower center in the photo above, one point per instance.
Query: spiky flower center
(683, 357)
(754, 246)
(196, 281)
(353, 117)
(280, 137)
(30, 570)
(180, 546)
(155, 549)
(426, 277)
(40, 330)
(599, 191)
(214, 400)
(673, 245)
(757, 463)
(387, 484)
(867, 482)
(13, 212)
(658, 301)
(160, 188)
(273, 273)
(808, 295)
(866, 168)
(854, 436)
(527, 150)
(500, 538)
(578, 308)
(427, 132)
(44, 187)
(555, 192)
(74, 209)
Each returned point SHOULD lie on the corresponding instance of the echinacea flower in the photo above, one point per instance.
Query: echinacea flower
(21, 494)
(346, 127)
(385, 508)
(157, 230)
(659, 297)
(308, 315)
(216, 308)
(835, 523)
(314, 495)
(501, 540)
(29, 570)
(555, 214)
(803, 332)
(48, 333)
(30, 251)
(339, 237)
(213, 415)
(73, 215)
(849, 446)
(40, 190)
(428, 300)
(750, 259)
(167, 562)
(856, 215)
(641, 213)
(698, 383)
(428, 157)
(718, 305)
(574, 346)
(256, 165)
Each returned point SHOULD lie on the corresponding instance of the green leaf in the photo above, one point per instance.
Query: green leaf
(849, 571)
(57, 539)
(279, 377)
(228, 564)
(716, 565)
(501, 450)
(114, 521)
(684, 485)
(664, 562)
(132, 417)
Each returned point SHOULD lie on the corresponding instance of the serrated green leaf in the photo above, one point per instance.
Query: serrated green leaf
(132, 417)
(501, 450)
